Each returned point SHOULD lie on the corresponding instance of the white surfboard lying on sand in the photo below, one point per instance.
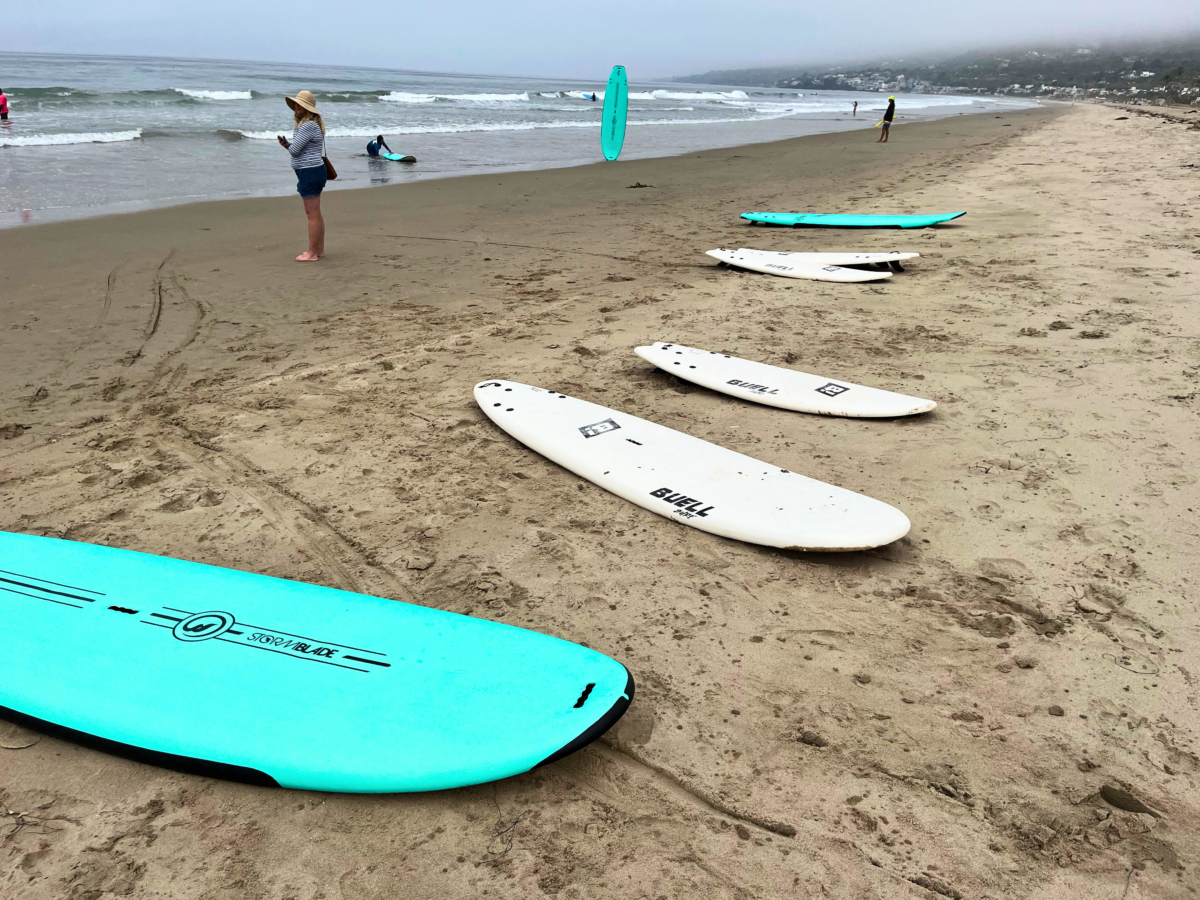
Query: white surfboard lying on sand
(784, 388)
(794, 269)
(686, 479)
(834, 259)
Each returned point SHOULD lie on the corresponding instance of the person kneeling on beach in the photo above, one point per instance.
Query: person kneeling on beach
(373, 146)
(307, 148)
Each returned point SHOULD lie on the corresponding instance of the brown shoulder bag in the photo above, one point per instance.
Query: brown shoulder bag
(330, 171)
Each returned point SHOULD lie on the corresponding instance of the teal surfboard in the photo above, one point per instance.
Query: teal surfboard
(838, 221)
(616, 109)
(232, 675)
(399, 157)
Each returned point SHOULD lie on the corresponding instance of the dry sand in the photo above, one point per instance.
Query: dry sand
(937, 717)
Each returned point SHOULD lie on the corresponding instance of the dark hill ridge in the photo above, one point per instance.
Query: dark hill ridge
(1152, 72)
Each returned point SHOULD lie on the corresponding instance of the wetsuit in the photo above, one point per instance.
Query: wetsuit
(373, 147)
(890, 114)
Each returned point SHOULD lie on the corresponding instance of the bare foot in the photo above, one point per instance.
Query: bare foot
(307, 257)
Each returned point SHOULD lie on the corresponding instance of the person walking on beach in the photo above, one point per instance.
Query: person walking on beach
(3, 106)
(854, 112)
(307, 148)
(887, 120)
(373, 146)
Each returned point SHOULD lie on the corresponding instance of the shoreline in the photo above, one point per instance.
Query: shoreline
(598, 165)
(253, 169)
(940, 714)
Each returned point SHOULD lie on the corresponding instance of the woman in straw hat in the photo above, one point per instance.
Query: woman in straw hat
(307, 148)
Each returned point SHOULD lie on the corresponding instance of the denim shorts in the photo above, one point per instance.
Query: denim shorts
(311, 181)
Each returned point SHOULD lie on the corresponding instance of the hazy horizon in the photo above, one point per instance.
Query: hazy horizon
(667, 38)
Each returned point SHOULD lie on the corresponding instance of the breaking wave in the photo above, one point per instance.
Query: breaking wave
(214, 95)
(43, 140)
(406, 97)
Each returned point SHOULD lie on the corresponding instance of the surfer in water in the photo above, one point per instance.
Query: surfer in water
(887, 120)
(373, 146)
(3, 106)
(854, 112)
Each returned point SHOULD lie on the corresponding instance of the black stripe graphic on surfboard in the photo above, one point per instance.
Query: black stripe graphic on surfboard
(38, 587)
(36, 597)
(55, 583)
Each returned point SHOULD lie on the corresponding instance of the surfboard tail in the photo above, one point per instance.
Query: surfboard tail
(597, 728)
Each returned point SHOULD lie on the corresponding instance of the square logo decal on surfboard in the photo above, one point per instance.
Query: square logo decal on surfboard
(832, 390)
(590, 431)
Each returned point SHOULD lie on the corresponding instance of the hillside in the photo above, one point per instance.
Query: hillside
(1166, 72)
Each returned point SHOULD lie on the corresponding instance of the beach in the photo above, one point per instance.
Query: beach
(975, 711)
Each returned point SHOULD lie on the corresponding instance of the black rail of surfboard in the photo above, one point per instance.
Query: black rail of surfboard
(207, 768)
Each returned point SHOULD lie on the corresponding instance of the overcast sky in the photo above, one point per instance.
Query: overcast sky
(652, 38)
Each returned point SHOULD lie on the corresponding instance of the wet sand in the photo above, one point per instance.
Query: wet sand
(938, 717)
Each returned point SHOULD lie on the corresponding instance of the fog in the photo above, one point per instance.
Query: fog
(655, 38)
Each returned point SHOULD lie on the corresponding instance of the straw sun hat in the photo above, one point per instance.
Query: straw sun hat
(303, 100)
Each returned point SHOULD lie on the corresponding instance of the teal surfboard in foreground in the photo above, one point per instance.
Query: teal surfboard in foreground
(232, 675)
(840, 221)
(399, 157)
(616, 109)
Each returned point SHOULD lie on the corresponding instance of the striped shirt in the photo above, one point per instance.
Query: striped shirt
(308, 144)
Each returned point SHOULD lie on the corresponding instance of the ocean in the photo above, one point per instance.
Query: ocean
(92, 135)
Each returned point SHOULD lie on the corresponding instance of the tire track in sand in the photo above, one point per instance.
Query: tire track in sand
(293, 517)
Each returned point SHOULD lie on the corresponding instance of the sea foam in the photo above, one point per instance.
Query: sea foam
(406, 97)
(44, 140)
(214, 95)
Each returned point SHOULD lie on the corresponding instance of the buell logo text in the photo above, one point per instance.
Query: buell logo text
(757, 388)
(688, 507)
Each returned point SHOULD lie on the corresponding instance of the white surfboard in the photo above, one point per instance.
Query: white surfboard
(834, 259)
(784, 388)
(794, 269)
(686, 479)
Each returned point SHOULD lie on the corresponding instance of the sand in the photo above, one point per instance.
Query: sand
(960, 714)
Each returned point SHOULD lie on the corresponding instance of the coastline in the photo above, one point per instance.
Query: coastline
(862, 724)
(90, 153)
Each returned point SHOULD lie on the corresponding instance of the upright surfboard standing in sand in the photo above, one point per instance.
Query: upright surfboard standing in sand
(686, 479)
(848, 221)
(616, 109)
(779, 387)
(231, 675)
(795, 268)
